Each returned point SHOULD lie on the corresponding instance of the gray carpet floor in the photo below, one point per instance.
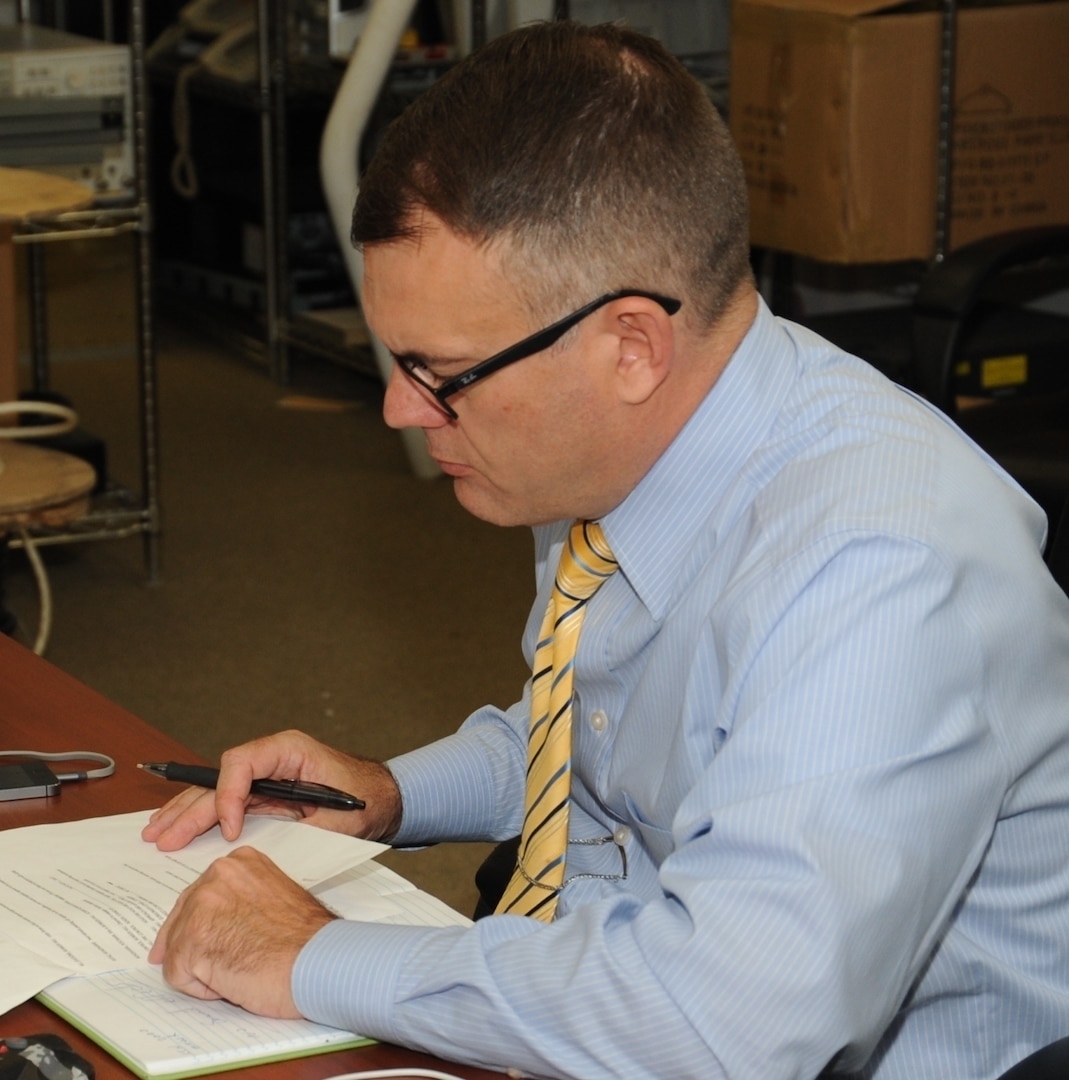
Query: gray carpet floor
(309, 578)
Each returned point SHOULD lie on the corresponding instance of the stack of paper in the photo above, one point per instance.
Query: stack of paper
(80, 905)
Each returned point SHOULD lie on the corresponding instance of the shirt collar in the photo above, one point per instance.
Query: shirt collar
(672, 519)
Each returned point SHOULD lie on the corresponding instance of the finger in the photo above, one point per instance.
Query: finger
(159, 946)
(165, 814)
(185, 817)
(232, 799)
(189, 984)
(178, 974)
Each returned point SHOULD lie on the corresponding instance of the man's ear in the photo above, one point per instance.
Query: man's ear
(646, 345)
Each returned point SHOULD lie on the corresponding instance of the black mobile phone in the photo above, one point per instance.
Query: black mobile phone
(27, 780)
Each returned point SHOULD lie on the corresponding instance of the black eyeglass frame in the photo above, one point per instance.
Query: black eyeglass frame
(529, 346)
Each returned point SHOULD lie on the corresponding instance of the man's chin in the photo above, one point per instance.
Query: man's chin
(475, 496)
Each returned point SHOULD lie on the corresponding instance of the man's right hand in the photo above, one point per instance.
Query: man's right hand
(288, 755)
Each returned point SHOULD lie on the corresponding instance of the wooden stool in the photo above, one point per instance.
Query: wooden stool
(37, 486)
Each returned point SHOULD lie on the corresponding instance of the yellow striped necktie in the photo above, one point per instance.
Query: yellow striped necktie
(585, 563)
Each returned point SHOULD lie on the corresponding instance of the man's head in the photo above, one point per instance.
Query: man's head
(588, 153)
(561, 169)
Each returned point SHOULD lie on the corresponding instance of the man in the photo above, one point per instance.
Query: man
(819, 765)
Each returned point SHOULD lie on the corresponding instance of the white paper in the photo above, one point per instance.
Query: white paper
(82, 897)
(373, 893)
(156, 1029)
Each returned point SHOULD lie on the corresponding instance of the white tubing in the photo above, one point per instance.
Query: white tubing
(364, 76)
(44, 592)
(66, 419)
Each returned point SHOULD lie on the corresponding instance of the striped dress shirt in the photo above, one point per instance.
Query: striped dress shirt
(824, 707)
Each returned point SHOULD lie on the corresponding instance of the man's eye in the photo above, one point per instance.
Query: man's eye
(430, 376)
(416, 367)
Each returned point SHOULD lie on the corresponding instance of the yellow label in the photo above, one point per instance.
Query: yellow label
(998, 371)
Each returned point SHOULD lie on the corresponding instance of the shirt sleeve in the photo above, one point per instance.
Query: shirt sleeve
(816, 862)
(464, 787)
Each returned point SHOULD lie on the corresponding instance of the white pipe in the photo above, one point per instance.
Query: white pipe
(339, 150)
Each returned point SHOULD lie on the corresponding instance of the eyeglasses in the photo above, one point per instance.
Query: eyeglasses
(542, 339)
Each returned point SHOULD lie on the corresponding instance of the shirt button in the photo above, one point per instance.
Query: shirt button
(598, 720)
(621, 835)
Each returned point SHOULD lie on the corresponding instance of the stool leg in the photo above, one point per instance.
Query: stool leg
(8, 622)
(9, 338)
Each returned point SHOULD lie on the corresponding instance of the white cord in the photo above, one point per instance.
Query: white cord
(405, 1074)
(183, 167)
(107, 762)
(66, 419)
(402, 1074)
(44, 592)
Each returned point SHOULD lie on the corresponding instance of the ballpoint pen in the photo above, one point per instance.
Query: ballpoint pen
(286, 790)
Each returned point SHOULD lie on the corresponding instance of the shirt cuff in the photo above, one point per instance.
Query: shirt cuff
(449, 788)
(346, 976)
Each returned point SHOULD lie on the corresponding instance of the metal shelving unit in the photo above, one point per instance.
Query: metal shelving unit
(261, 324)
(117, 511)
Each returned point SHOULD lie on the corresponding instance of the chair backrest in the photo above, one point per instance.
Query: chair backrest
(1005, 351)
(1049, 1063)
(1057, 554)
(951, 292)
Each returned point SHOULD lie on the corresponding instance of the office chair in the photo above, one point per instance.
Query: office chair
(1057, 553)
(1030, 438)
(999, 367)
(1048, 1063)
(952, 300)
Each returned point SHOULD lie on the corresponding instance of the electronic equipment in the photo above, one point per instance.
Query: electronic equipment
(29, 780)
(65, 106)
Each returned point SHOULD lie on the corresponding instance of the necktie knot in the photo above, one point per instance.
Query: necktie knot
(586, 561)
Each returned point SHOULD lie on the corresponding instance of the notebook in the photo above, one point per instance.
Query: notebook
(161, 1034)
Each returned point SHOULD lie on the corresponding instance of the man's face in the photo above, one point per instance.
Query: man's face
(529, 444)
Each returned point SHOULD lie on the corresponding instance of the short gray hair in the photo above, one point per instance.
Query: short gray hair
(587, 155)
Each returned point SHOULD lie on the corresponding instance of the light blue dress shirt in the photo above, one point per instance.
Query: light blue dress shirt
(824, 707)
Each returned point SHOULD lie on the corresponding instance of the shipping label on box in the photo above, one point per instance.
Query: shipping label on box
(1006, 165)
(835, 110)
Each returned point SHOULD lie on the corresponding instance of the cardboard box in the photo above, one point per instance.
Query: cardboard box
(835, 110)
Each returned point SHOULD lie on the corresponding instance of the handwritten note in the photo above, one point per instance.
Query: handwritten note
(155, 1031)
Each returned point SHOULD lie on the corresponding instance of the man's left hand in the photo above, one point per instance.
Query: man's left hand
(235, 933)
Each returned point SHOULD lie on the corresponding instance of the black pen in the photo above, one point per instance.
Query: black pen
(287, 790)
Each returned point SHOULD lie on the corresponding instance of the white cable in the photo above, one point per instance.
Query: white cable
(67, 418)
(44, 592)
(365, 75)
(107, 762)
(183, 167)
(402, 1074)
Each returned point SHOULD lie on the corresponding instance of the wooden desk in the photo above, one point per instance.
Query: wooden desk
(41, 708)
